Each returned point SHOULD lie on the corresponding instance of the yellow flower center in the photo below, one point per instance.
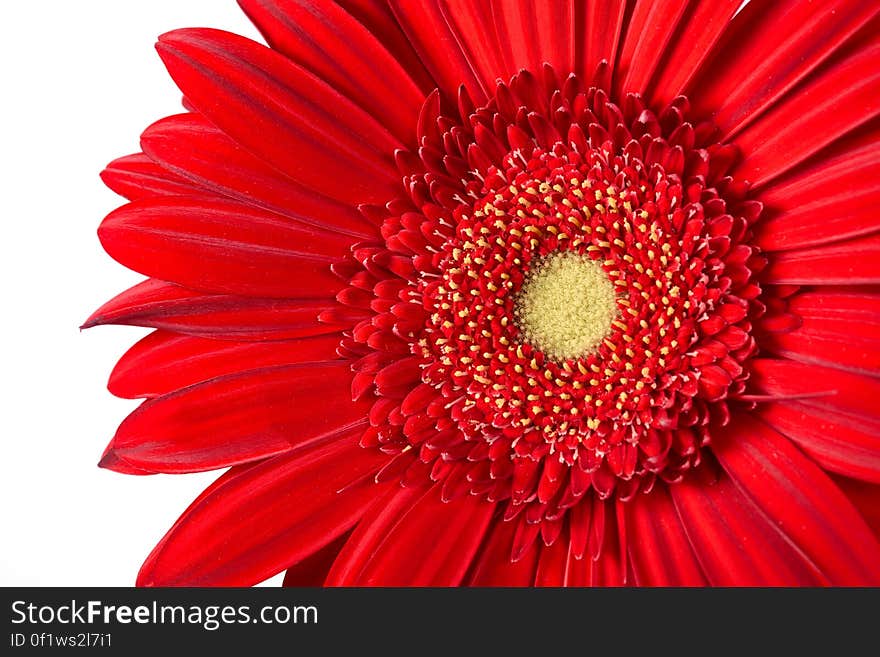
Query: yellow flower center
(566, 305)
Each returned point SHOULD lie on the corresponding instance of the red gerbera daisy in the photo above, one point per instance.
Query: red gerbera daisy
(511, 293)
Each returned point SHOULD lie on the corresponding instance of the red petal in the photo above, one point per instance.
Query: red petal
(493, 566)
(434, 41)
(425, 543)
(736, 544)
(378, 18)
(377, 522)
(838, 329)
(163, 362)
(474, 26)
(553, 563)
(224, 246)
(837, 99)
(312, 571)
(246, 529)
(651, 27)
(157, 304)
(851, 303)
(699, 30)
(239, 418)
(329, 42)
(799, 499)
(658, 547)
(769, 47)
(111, 461)
(713, 382)
(578, 571)
(532, 32)
(137, 176)
(839, 442)
(816, 386)
(283, 114)
(853, 262)
(603, 22)
(433, 544)
(579, 520)
(865, 497)
(194, 149)
(608, 566)
(832, 200)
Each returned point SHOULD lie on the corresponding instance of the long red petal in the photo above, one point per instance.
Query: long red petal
(435, 42)
(380, 517)
(164, 362)
(699, 29)
(265, 518)
(865, 497)
(238, 418)
(603, 22)
(328, 41)
(553, 563)
(837, 99)
(609, 565)
(659, 549)
(224, 246)
(493, 567)
(770, 46)
(533, 32)
(852, 262)
(800, 499)
(432, 545)
(137, 176)
(283, 114)
(832, 200)
(838, 329)
(474, 26)
(312, 571)
(193, 148)
(378, 18)
(651, 28)
(816, 386)
(846, 444)
(161, 305)
(736, 544)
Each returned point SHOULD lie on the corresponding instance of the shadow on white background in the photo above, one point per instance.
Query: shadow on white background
(80, 81)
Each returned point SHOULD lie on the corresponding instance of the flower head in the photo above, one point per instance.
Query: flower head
(511, 293)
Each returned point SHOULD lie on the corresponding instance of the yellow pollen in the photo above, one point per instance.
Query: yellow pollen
(566, 305)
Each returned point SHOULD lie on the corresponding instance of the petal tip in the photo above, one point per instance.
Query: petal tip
(145, 577)
(95, 319)
(109, 460)
(112, 461)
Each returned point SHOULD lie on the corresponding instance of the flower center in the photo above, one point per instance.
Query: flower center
(562, 302)
(566, 305)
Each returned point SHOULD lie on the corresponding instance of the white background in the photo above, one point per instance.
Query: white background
(80, 81)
